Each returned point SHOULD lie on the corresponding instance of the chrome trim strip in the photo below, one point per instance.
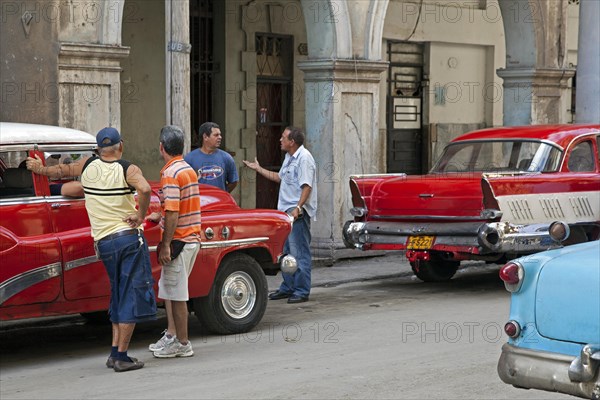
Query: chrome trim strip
(49, 147)
(62, 199)
(224, 243)
(511, 139)
(22, 200)
(410, 229)
(440, 240)
(37, 199)
(20, 282)
(429, 217)
(230, 243)
(80, 262)
(399, 174)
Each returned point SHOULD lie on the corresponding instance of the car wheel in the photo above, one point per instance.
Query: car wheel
(238, 298)
(434, 269)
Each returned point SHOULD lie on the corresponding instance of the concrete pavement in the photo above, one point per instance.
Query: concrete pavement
(349, 265)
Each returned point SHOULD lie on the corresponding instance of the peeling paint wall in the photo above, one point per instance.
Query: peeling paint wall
(143, 85)
(29, 63)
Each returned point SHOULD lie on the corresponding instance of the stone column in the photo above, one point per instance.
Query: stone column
(587, 102)
(535, 95)
(342, 130)
(535, 78)
(178, 66)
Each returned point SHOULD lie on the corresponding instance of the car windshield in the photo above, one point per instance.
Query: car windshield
(499, 156)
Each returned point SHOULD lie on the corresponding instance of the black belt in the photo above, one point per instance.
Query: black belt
(125, 232)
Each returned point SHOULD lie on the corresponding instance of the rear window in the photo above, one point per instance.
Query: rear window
(499, 156)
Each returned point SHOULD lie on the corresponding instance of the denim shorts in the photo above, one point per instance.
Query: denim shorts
(127, 262)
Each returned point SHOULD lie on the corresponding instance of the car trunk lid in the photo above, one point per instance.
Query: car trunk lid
(559, 314)
(430, 197)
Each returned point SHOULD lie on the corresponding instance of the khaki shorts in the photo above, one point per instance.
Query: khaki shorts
(173, 283)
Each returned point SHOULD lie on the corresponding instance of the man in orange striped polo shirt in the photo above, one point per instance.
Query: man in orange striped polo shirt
(180, 224)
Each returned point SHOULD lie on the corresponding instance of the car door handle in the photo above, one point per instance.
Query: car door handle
(59, 205)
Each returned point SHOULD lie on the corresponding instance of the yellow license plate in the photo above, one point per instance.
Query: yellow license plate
(419, 242)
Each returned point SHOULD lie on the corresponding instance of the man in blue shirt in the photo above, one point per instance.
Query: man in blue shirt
(298, 198)
(214, 166)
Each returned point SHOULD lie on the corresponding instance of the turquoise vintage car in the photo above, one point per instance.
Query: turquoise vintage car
(554, 322)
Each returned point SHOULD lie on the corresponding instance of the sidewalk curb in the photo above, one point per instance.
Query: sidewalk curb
(345, 254)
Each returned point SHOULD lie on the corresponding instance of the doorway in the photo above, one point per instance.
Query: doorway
(201, 65)
(274, 58)
(404, 108)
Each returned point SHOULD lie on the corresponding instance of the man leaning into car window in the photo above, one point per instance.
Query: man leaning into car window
(109, 184)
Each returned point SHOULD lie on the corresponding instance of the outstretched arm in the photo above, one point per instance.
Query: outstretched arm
(270, 175)
(58, 171)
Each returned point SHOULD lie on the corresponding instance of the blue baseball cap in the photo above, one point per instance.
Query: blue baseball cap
(108, 136)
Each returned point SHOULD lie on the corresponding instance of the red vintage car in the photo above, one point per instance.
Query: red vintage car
(48, 264)
(491, 196)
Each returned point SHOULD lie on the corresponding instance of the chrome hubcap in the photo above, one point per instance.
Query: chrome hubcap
(238, 295)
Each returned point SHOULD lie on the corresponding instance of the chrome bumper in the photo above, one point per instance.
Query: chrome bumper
(531, 369)
(490, 237)
(504, 237)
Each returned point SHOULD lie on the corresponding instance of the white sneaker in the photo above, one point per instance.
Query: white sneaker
(175, 349)
(162, 342)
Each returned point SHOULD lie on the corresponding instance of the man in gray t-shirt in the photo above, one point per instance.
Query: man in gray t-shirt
(214, 166)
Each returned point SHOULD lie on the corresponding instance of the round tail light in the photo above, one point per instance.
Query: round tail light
(559, 231)
(512, 276)
(512, 329)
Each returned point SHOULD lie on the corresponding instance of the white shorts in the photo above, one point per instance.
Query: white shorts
(173, 282)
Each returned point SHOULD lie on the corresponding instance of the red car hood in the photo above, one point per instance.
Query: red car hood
(211, 198)
(427, 196)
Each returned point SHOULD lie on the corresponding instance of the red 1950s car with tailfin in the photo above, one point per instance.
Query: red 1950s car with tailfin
(48, 264)
(492, 195)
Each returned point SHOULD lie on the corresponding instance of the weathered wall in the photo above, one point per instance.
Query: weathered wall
(464, 47)
(143, 93)
(537, 70)
(29, 67)
(457, 84)
(61, 62)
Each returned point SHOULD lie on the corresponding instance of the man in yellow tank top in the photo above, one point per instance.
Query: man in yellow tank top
(109, 184)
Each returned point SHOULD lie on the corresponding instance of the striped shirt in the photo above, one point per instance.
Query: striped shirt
(108, 196)
(180, 192)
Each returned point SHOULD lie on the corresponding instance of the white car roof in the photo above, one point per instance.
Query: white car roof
(18, 133)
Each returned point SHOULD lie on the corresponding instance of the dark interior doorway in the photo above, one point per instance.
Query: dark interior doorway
(404, 108)
(274, 57)
(201, 65)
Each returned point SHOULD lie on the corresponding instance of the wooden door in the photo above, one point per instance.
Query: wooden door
(273, 109)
